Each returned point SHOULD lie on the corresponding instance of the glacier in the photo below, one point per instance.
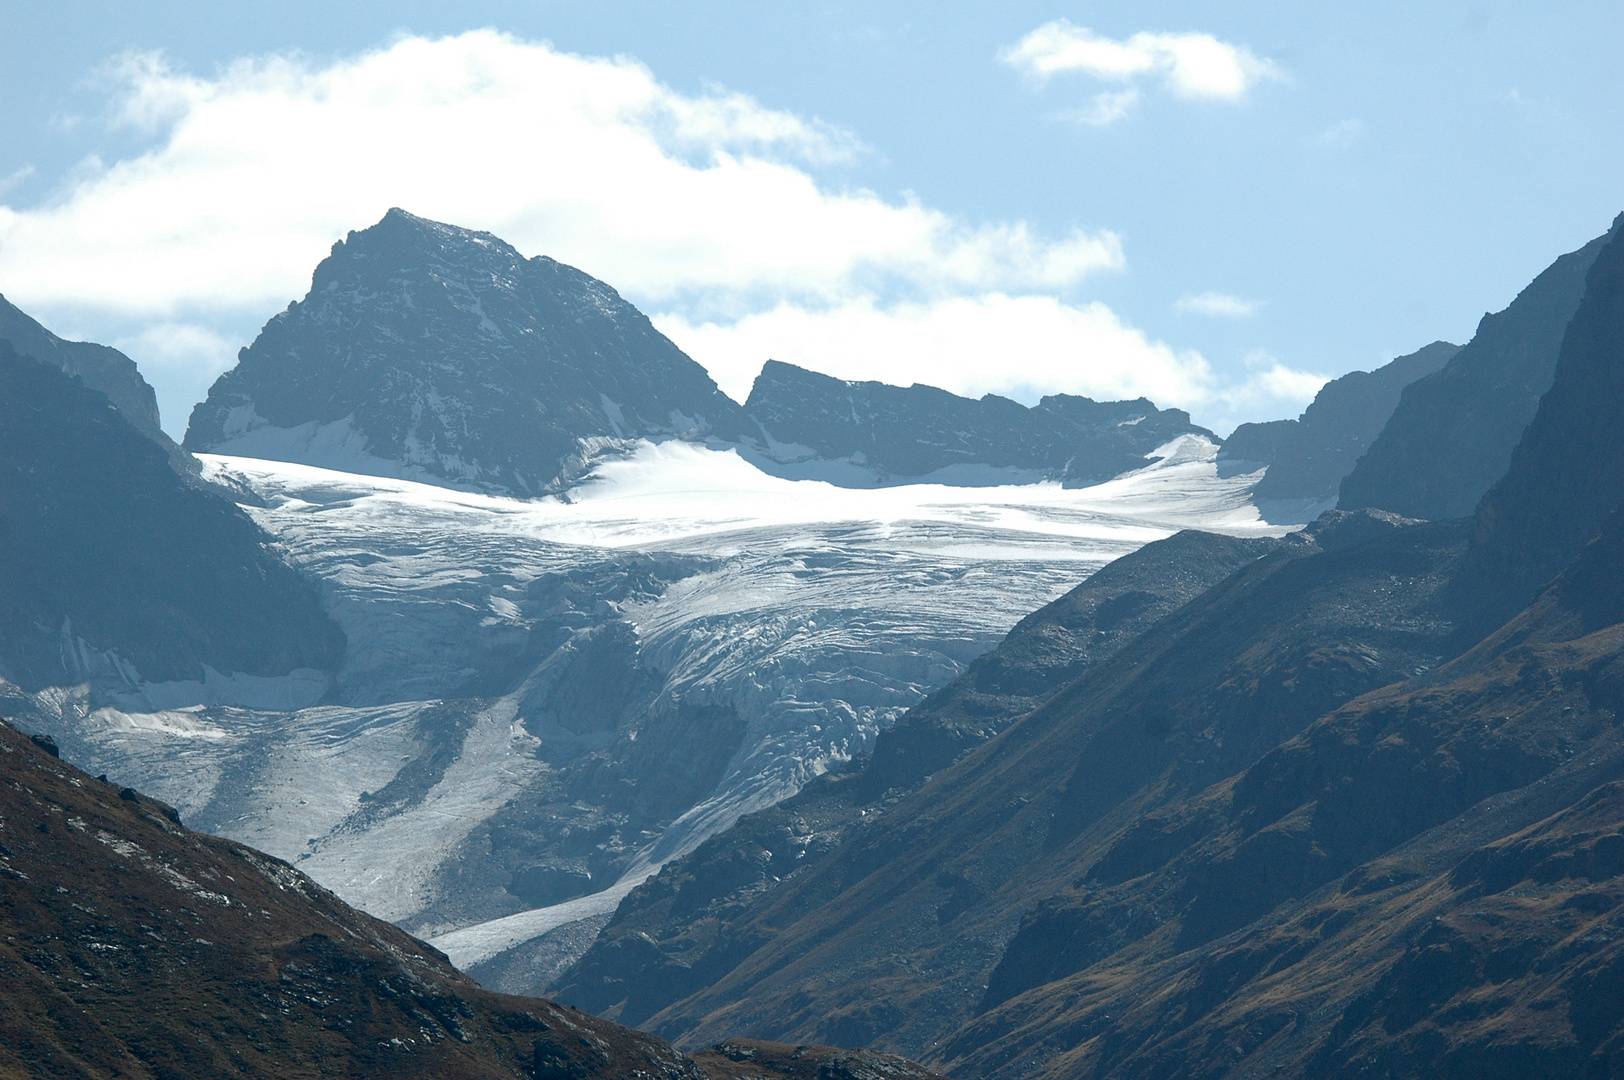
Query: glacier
(545, 700)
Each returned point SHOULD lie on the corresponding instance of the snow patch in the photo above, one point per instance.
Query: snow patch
(336, 445)
(612, 413)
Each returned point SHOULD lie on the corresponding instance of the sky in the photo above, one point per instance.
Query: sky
(1213, 207)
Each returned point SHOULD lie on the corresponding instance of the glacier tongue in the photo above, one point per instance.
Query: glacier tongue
(545, 700)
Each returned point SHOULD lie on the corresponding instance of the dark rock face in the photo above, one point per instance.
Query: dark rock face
(1113, 437)
(1566, 476)
(447, 352)
(100, 368)
(134, 947)
(103, 547)
(1308, 457)
(912, 431)
(1453, 431)
(1440, 867)
(1052, 647)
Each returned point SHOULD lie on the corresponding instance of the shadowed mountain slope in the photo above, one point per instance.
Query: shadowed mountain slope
(1566, 475)
(134, 947)
(1425, 882)
(1452, 434)
(1308, 457)
(100, 367)
(113, 566)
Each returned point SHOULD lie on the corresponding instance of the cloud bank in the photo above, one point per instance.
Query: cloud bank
(712, 212)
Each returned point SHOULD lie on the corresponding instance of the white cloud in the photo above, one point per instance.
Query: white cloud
(179, 359)
(1190, 65)
(707, 211)
(16, 177)
(592, 161)
(1018, 346)
(1341, 135)
(1271, 389)
(1218, 305)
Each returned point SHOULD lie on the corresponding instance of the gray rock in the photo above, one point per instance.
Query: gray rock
(115, 570)
(1453, 431)
(1308, 457)
(99, 366)
(444, 352)
(896, 433)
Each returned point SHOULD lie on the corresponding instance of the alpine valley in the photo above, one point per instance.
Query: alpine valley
(1054, 740)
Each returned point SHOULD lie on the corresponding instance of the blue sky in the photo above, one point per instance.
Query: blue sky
(1211, 206)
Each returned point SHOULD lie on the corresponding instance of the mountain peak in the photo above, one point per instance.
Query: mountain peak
(403, 223)
(440, 353)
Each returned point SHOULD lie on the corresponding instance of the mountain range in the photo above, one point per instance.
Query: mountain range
(974, 769)
(807, 422)
(433, 352)
(525, 707)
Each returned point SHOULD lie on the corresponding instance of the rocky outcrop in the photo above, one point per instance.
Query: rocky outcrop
(1453, 431)
(115, 569)
(1308, 457)
(895, 433)
(441, 353)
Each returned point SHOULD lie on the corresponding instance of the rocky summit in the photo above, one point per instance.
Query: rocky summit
(103, 369)
(891, 434)
(431, 352)
(440, 353)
